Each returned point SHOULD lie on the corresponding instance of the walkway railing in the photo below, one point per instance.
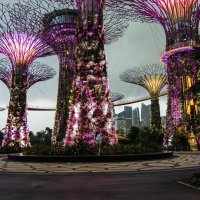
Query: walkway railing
(131, 101)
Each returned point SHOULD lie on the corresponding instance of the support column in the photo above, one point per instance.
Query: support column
(66, 78)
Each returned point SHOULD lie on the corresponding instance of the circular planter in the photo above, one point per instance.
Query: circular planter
(92, 158)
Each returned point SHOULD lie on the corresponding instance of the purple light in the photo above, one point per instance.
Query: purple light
(164, 57)
(23, 49)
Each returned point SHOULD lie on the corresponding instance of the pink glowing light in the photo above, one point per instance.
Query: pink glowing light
(21, 49)
(178, 8)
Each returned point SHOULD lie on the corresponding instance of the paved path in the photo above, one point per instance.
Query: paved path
(179, 161)
(98, 186)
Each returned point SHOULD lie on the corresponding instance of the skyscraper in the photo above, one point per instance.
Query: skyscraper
(146, 115)
(128, 118)
(136, 117)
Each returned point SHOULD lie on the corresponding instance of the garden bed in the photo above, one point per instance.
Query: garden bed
(8, 150)
(89, 158)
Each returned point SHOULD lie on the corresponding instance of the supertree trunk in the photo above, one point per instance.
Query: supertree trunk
(183, 73)
(17, 132)
(155, 113)
(171, 128)
(66, 78)
(92, 111)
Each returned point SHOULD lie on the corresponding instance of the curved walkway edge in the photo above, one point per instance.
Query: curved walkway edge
(178, 161)
(90, 158)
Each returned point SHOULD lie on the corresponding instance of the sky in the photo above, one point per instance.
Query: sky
(141, 45)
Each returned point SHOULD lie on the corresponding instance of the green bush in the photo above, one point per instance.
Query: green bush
(42, 137)
(83, 149)
(134, 134)
(146, 137)
(10, 149)
(180, 142)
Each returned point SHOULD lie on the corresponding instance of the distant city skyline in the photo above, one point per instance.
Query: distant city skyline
(139, 117)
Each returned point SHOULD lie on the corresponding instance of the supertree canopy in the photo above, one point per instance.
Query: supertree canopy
(22, 45)
(116, 96)
(37, 72)
(180, 20)
(153, 79)
(114, 24)
(5, 72)
(59, 21)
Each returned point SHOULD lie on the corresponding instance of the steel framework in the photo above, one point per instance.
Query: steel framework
(37, 72)
(153, 79)
(114, 24)
(116, 96)
(21, 45)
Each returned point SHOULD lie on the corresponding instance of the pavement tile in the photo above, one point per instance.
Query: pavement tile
(179, 161)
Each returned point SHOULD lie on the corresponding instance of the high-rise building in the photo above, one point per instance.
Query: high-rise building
(146, 115)
(115, 118)
(128, 118)
(121, 123)
(124, 120)
(136, 117)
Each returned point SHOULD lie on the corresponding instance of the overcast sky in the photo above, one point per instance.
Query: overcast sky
(140, 45)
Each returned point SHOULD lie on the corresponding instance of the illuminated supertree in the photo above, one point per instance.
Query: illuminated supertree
(180, 20)
(153, 79)
(116, 96)
(21, 45)
(91, 109)
(59, 26)
(36, 73)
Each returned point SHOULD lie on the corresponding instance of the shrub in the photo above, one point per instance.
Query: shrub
(180, 142)
(134, 134)
(83, 149)
(10, 149)
(146, 137)
(42, 137)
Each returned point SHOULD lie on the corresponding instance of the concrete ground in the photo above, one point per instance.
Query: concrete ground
(145, 180)
(95, 186)
(179, 161)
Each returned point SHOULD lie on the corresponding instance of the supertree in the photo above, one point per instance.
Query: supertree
(153, 79)
(60, 22)
(36, 73)
(21, 45)
(91, 108)
(180, 20)
(114, 96)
